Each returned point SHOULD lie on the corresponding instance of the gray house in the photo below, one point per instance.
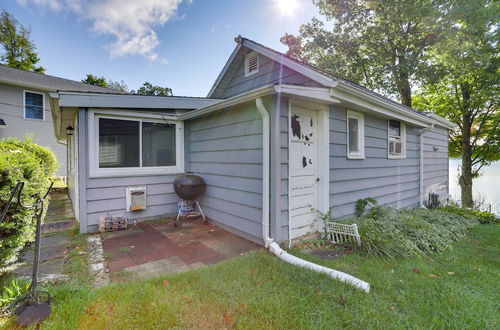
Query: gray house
(274, 138)
(25, 107)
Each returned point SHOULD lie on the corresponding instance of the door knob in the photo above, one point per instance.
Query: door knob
(317, 179)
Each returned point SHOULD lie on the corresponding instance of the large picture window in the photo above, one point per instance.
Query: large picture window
(396, 139)
(128, 146)
(33, 105)
(355, 135)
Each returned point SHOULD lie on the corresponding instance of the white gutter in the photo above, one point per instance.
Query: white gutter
(237, 99)
(421, 174)
(269, 243)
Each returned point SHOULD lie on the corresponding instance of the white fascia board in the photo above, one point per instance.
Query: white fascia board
(376, 104)
(126, 101)
(302, 69)
(316, 93)
(442, 121)
(248, 96)
(224, 70)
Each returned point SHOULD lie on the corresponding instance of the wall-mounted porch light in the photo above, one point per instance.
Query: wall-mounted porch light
(69, 130)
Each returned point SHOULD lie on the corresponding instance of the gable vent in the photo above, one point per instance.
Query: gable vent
(251, 63)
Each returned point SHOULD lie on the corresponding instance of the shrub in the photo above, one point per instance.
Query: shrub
(481, 216)
(34, 164)
(387, 232)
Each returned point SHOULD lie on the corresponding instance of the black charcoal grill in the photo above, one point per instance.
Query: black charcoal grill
(189, 188)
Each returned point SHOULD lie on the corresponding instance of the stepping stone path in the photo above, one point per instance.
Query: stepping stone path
(53, 246)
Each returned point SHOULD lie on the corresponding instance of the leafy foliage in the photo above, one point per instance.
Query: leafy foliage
(380, 44)
(364, 203)
(34, 164)
(466, 87)
(10, 290)
(18, 50)
(390, 233)
(103, 82)
(149, 89)
(481, 216)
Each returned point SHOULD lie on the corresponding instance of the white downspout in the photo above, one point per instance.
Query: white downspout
(269, 243)
(266, 128)
(421, 174)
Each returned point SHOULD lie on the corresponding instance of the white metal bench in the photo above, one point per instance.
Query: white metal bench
(339, 233)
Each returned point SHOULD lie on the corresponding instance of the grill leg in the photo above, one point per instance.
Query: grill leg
(201, 211)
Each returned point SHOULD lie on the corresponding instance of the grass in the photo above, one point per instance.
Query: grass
(457, 289)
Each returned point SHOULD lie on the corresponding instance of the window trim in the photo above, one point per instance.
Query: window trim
(361, 134)
(247, 56)
(93, 139)
(403, 140)
(24, 104)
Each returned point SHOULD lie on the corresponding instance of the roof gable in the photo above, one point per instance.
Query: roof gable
(273, 69)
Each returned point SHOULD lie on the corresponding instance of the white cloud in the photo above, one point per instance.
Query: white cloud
(131, 22)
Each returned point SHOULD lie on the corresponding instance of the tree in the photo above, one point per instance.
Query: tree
(149, 89)
(106, 83)
(18, 51)
(380, 44)
(96, 81)
(466, 87)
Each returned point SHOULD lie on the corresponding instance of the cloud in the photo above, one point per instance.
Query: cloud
(131, 22)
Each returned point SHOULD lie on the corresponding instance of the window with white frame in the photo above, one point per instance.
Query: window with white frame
(355, 135)
(396, 139)
(33, 105)
(251, 63)
(128, 146)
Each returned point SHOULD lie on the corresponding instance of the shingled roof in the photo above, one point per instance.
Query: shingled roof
(30, 79)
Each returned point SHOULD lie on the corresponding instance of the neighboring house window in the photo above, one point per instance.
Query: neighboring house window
(33, 105)
(355, 135)
(128, 146)
(396, 139)
(251, 63)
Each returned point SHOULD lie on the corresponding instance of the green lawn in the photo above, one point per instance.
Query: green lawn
(458, 289)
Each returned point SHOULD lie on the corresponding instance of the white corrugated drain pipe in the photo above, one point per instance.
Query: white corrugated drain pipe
(269, 243)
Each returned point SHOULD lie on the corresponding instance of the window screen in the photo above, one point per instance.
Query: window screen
(158, 144)
(118, 143)
(353, 135)
(33, 105)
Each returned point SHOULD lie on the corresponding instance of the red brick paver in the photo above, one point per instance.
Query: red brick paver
(193, 242)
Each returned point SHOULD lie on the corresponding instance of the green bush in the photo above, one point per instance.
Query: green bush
(387, 232)
(481, 216)
(34, 164)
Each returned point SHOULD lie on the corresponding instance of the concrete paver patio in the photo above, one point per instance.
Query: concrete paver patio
(154, 248)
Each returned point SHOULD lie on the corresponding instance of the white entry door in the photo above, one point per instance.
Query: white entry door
(304, 176)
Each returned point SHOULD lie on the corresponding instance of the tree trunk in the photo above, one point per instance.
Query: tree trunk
(403, 82)
(465, 180)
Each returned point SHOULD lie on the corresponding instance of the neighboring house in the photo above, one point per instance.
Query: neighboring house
(25, 107)
(274, 139)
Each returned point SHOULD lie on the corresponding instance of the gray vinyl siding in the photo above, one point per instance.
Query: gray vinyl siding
(100, 196)
(436, 163)
(393, 182)
(42, 131)
(270, 72)
(225, 149)
(284, 167)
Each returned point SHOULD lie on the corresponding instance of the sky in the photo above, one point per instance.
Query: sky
(181, 44)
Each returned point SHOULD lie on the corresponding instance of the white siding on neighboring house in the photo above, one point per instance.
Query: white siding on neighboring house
(42, 131)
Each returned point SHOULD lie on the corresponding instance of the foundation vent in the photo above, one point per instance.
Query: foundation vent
(136, 198)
